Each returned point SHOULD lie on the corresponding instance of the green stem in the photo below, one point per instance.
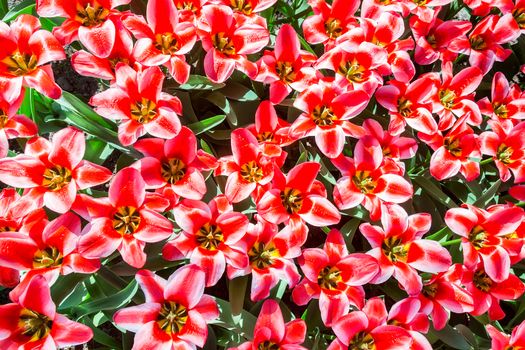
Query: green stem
(486, 161)
(452, 242)
(438, 234)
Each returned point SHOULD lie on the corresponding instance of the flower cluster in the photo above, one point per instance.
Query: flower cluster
(352, 131)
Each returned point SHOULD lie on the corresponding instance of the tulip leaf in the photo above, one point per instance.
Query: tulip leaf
(451, 337)
(237, 292)
(112, 302)
(434, 191)
(3, 8)
(25, 7)
(243, 324)
(488, 196)
(206, 124)
(100, 336)
(199, 82)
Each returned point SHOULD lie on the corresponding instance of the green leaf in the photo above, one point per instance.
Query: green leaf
(25, 7)
(199, 82)
(239, 92)
(434, 191)
(488, 195)
(237, 291)
(243, 324)
(3, 8)
(451, 337)
(101, 337)
(206, 124)
(113, 302)
(80, 115)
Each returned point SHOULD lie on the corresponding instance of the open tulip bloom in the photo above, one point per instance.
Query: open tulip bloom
(262, 174)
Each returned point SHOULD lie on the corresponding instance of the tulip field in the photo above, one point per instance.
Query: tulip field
(262, 174)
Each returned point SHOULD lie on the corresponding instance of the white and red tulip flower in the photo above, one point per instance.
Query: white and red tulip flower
(262, 174)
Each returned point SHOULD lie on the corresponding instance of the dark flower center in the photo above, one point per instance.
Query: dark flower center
(362, 341)
(292, 200)
(329, 277)
(285, 71)
(500, 110)
(452, 145)
(265, 136)
(173, 170)
(91, 15)
(34, 325)
(404, 106)
(244, 6)
(394, 249)
(447, 98)
(223, 43)
(482, 281)
(477, 42)
(48, 257)
(353, 71)
(262, 255)
(143, 111)
(504, 154)
(56, 177)
(323, 116)
(430, 290)
(126, 220)
(333, 28)
(20, 63)
(167, 43)
(477, 237)
(209, 237)
(519, 17)
(268, 345)
(172, 317)
(251, 172)
(364, 182)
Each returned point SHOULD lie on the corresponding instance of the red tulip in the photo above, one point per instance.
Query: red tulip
(487, 293)
(326, 109)
(49, 252)
(334, 277)
(507, 148)
(433, 38)
(502, 341)
(88, 64)
(368, 329)
(298, 198)
(227, 39)
(31, 321)
(209, 238)
(401, 250)
(408, 104)
(407, 314)
(483, 44)
(394, 147)
(270, 254)
(442, 293)
(287, 67)
(90, 21)
(329, 21)
(272, 333)
(125, 221)
(370, 179)
(53, 172)
(246, 169)
(175, 313)
(138, 102)
(163, 40)
(454, 96)
(271, 132)
(482, 233)
(12, 125)
(454, 152)
(175, 164)
(26, 54)
(506, 104)
(16, 218)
